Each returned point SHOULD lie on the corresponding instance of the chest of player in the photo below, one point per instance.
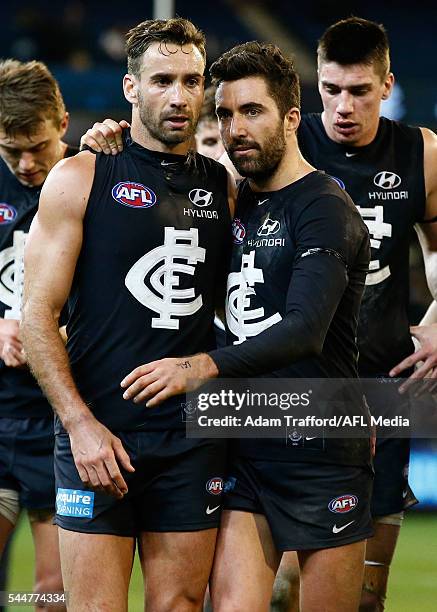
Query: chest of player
(133, 212)
(263, 247)
(18, 206)
(386, 200)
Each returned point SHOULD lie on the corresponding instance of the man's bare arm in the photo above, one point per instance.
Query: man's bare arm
(52, 250)
(425, 334)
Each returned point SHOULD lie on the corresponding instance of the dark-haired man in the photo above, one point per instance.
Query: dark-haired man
(139, 241)
(307, 308)
(389, 169)
(33, 122)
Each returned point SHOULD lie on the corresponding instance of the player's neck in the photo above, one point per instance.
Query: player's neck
(291, 168)
(64, 147)
(142, 136)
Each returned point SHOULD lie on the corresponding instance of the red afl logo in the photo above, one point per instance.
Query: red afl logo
(343, 504)
(238, 231)
(7, 213)
(134, 195)
(215, 485)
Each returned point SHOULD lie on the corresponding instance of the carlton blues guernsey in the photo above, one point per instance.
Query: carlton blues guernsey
(20, 396)
(298, 268)
(386, 181)
(157, 234)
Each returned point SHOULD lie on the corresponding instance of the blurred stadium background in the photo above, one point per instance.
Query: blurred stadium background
(82, 42)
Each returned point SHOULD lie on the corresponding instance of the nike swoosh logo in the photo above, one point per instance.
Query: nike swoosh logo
(336, 529)
(350, 154)
(262, 201)
(313, 438)
(404, 494)
(211, 510)
(164, 163)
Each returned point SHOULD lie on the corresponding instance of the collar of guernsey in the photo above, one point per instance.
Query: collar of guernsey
(157, 158)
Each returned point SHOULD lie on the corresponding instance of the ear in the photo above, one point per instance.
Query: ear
(291, 120)
(64, 125)
(130, 88)
(388, 86)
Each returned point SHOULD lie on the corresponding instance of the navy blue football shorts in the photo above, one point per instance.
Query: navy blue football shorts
(308, 506)
(391, 491)
(177, 486)
(26, 460)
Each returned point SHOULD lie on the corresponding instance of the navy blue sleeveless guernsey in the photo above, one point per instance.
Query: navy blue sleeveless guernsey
(20, 396)
(155, 250)
(386, 181)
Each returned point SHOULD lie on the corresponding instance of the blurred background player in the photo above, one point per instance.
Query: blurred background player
(389, 169)
(208, 141)
(33, 122)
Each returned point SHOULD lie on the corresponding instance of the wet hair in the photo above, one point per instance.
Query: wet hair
(356, 41)
(177, 31)
(266, 61)
(29, 94)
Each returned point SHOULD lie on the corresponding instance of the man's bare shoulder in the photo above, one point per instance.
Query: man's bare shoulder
(429, 142)
(68, 184)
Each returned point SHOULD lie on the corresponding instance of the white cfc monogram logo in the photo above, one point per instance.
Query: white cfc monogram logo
(11, 276)
(239, 316)
(164, 279)
(374, 219)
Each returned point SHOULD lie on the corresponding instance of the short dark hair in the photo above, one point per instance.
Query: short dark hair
(178, 31)
(356, 41)
(264, 60)
(29, 94)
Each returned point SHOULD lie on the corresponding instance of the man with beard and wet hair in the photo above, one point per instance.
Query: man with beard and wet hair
(389, 169)
(307, 302)
(137, 243)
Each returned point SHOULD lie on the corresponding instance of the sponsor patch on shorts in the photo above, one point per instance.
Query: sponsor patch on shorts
(229, 484)
(74, 503)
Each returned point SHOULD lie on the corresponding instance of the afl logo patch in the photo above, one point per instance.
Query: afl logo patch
(343, 504)
(238, 231)
(214, 486)
(134, 195)
(7, 213)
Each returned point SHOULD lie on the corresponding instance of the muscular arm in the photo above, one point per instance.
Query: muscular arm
(52, 250)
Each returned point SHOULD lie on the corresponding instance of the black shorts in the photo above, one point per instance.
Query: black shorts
(391, 491)
(177, 486)
(26, 460)
(307, 505)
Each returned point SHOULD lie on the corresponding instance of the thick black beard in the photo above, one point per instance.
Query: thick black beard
(268, 161)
